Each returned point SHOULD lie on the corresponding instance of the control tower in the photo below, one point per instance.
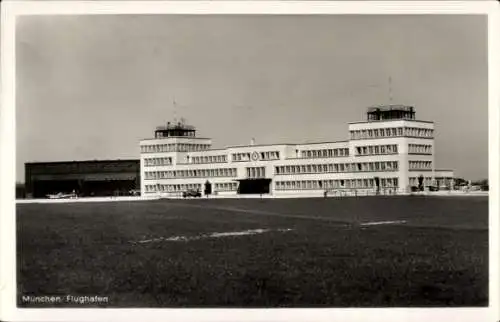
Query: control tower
(179, 129)
(394, 128)
(390, 112)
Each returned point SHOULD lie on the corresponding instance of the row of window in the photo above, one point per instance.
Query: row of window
(256, 172)
(446, 181)
(420, 148)
(172, 187)
(151, 162)
(391, 132)
(335, 184)
(377, 149)
(418, 132)
(324, 153)
(420, 165)
(226, 186)
(414, 181)
(264, 156)
(338, 167)
(174, 147)
(198, 173)
(209, 159)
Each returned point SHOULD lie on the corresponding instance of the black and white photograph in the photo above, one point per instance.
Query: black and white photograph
(252, 161)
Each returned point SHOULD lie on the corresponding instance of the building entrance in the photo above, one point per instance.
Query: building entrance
(254, 186)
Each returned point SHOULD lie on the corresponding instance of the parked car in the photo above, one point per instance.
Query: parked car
(191, 193)
(134, 192)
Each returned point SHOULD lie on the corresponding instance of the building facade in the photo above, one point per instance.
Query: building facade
(84, 178)
(389, 152)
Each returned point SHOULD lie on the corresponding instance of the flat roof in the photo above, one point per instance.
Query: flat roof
(391, 120)
(391, 107)
(83, 161)
(208, 150)
(286, 144)
(322, 142)
(175, 137)
(255, 145)
(267, 144)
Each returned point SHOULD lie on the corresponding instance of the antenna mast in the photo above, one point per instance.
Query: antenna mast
(390, 89)
(175, 110)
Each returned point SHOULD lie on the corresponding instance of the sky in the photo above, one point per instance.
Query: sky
(91, 87)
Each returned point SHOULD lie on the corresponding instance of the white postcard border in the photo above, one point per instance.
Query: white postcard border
(10, 10)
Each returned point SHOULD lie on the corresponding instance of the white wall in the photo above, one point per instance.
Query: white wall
(288, 156)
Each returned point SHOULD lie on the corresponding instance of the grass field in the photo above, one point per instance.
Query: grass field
(317, 253)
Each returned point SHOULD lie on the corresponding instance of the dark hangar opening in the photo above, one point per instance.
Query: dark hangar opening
(254, 186)
(85, 178)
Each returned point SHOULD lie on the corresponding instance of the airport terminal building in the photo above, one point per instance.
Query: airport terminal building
(391, 151)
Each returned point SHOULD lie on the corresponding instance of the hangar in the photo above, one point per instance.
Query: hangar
(85, 178)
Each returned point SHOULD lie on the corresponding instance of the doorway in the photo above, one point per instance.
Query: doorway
(254, 186)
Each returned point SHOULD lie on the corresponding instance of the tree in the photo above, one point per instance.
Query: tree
(421, 183)
(208, 188)
(460, 182)
(483, 184)
(20, 190)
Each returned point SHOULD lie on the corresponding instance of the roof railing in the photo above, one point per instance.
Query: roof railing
(382, 108)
